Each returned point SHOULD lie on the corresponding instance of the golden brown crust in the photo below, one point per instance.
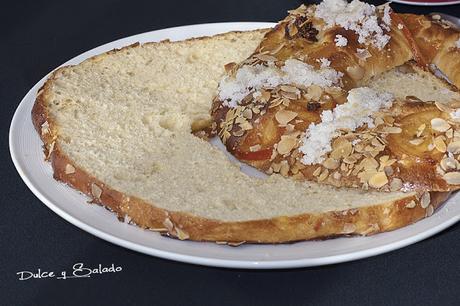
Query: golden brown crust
(416, 166)
(363, 221)
(437, 43)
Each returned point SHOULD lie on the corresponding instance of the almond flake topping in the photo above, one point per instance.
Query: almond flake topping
(361, 104)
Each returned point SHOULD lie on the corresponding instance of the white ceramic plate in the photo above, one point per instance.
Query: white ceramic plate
(426, 3)
(27, 155)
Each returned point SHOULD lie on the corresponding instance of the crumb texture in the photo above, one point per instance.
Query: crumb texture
(126, 117)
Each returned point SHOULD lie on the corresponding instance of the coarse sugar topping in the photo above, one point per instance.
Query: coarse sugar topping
(359, 17)
(249, 79)
(361, 104)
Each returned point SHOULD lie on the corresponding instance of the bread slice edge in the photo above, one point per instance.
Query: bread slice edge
(359, 221)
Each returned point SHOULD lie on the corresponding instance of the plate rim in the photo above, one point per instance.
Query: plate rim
(192, 259)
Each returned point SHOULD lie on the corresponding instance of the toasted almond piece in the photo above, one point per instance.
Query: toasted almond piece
(314, 92)
(286, 144)
(50, 150)
(330, 163)
(45, 129)
(336, 175)
(378, 121)
(448, 163)
(289, 96)
(411, 204)
(288, 88)
(168, 224)
(356, 72)
(247, 113)
(181, 234)
(452, 178)
(348, 228)
(238, 133)
(443, 107)
(378, 180)
(439, 144)
(369, 163)
(266, 57)
(454, 147)
(392, 130)
(416, 141)
(255, 148)
(350, 160)
(439, 125)
(96, 191)
(341, 148)
(317, 171)
(425, 200)
(420, 129)
(284, 116)
(276, 167)
(236, 244)
(396, 184)
(284, 170)
(323, 175)
(246, 126)
(69, 169)
(429, 211)
(265, 95)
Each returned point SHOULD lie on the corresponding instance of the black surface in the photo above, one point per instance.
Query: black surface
(37, 37)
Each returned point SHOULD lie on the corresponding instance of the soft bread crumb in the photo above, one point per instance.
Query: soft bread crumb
(127, 120)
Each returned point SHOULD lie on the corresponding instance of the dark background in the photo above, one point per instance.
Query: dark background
(36, 37)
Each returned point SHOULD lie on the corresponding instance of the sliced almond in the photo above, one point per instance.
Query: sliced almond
(444, 107)
(247, 113)
(439, 125)
(420, 129)
(284, 170)
(341, 148)
(168, 224)
(314, 92)
(69, 169)
(452, 178)
(356, 72)
(448, 164)
(286, 145)
(291, 89)
(454, 147)
(369, 163)
(396, 184)
(425, 200)
(348, 228)
(411, 204)
(323, 175)
(266, 57)
(429, 211)
(284, 116)
(330, 163)
(45, 129)
(181, 234)
(317, 171)
(255, 148)
(378, 180)
(96, 191)
(439, 144)
(392, 130)
(246, 126)
(416, 141)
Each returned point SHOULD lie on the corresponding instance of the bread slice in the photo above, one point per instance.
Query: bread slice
(411, 80)
(118, 128)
